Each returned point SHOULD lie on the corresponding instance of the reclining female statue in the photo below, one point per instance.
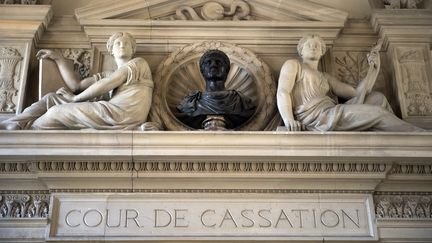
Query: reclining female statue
(305, 103)
(117, 100)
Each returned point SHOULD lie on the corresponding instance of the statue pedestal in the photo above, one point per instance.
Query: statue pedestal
(214, 123)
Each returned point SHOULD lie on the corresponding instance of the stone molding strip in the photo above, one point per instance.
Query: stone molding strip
(220, 146)
(388, 205)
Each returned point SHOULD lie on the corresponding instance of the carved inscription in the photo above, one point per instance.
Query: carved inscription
(238, 216)
(9, 77)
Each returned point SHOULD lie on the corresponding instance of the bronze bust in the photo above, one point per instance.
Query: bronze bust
(216, 108)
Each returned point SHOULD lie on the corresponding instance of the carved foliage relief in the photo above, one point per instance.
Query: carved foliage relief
(414, 84)
(403, 206)
(81, 59)
(402, 4)
(351, 67)
(10, 66)
(24, 205)
(213, 10)
(26, 2)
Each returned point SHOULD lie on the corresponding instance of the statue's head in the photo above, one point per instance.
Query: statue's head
(311, 47)
(214, 65)
(121, 43)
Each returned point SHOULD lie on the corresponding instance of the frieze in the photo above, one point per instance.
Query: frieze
(403, 206)
(15, 167)
(24, 205)
(410, 169)
(215, 167)
(195, 166)
(35, 204)
(210, 216)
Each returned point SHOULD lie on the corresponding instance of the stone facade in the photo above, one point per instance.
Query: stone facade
(253, 185)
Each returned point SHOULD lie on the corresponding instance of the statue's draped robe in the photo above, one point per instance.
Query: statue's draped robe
(126, 107)
(314, 107)
(233, 105)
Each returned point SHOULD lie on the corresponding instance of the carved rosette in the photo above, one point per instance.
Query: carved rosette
(403, 206)
(9, 58)
(179, 74)
(24, 206)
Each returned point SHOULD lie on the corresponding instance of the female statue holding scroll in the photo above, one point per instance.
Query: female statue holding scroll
(305, 103)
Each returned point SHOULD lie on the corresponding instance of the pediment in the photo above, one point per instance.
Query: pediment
(258, 10)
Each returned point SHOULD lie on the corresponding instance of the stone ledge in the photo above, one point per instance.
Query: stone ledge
(216, 146)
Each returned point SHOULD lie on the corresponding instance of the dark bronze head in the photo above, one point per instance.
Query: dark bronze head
(214, 66)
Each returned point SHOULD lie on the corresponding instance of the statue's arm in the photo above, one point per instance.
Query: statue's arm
(286, 83)
(70, 77)
(341, 89)
(103, 86)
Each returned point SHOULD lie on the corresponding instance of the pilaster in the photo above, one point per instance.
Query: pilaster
(21, 28)
(408, 37)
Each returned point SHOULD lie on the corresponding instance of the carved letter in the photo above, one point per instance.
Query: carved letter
(327, 224)
(202, 220)
(107, 219)
(228, 216)
(177, 218)
(243, 213)
(314, 218)
(134, 218)
(300, 215)
(156, 218)
(283, 216)
(344, 214)
(261, 216)
(68, 223)
(97, 213)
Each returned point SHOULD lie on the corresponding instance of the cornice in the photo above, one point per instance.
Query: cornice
(216, 146)
(24, 21)
(404, 25)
